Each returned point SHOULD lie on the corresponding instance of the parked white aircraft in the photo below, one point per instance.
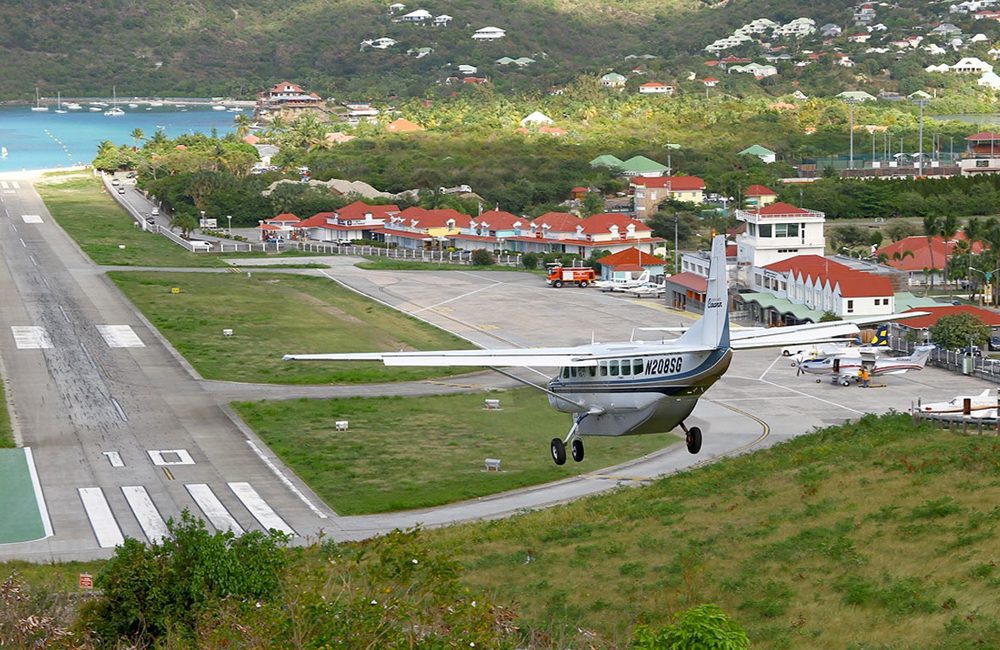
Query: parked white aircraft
(981, 406)
(647, 290)
(614, 389)
(623, 284)
(844, 366)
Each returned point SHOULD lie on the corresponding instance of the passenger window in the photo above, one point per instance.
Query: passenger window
(626, 368)
(613, 368)
(565, 373)
(604, 368)
(593, 371)
(637, 366)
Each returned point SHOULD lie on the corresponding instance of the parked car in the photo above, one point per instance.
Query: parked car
(155, 212)
(972, 351)
(994, 343)
(115, 182)
(121, 190)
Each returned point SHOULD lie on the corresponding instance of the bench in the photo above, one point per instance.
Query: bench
(492, 404)
(492, 464)
(340, 425)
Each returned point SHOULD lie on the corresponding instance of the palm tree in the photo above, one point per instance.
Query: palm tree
(137, 136)
(243, 123)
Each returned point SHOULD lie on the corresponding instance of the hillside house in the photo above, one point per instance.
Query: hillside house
(710, 82)
(765, 154)
(488, 34)
(403, 125)
(856, 96)
(466, 69)
(655, 88)
(971, 65)
(641, 166)
(286, 95)
(418, 16)
(613, 80)
(649, 192)
(442, 21)
(537, 118)
(759, 196)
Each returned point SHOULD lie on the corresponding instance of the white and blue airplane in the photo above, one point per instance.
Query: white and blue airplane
(634, 387)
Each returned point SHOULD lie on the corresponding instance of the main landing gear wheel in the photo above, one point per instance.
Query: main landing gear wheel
(693, 439)
(577, 449)
(558, 449)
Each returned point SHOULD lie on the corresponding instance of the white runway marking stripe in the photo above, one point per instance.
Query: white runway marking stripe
(262, 512)
(182, 456)
(101, 520)
(4, 184)
(15, 185)
(43, 512)
(114, 458)
(145, 512)
(31, 218)
(213, 508)
(30, 337)
(120, 336)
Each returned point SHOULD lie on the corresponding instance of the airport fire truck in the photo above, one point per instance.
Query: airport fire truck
(581, 276)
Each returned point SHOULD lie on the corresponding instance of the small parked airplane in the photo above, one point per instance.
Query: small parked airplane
(635, 387)
(844, 366)
(623, 284)
(981, 406)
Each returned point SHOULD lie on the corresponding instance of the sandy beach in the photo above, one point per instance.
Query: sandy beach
(35, 174)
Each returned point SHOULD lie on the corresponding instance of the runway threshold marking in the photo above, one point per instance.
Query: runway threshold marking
(31, 218)
(30, 337)
(159, 459)
(213, 508)
(145, 512)
(114, 458)
(120, 336)
(259, 508)
(102, 521)
(288, 483)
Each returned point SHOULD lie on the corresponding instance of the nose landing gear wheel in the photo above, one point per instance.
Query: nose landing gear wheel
(558, 450)
(693, 439)
(577, 450)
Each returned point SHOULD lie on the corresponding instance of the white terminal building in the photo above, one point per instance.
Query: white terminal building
(777, 232)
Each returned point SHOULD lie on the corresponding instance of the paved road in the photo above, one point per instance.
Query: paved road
(80, 398)
(94, 392)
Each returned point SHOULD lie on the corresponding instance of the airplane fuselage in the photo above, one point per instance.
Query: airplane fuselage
(647, 393)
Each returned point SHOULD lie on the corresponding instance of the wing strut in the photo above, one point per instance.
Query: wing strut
(579, 405)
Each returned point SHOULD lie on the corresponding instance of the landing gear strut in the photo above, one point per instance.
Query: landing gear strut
(692, 437)
(558, 447)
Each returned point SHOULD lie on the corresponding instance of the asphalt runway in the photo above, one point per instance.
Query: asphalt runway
(124, 434)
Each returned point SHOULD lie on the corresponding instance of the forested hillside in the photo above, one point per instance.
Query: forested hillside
(235, 47)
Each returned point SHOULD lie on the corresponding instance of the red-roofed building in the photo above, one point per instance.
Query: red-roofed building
(934, 314)
(490, 230)
(710, 82)
(686, 291)
(562, 232)
(648, 192)
(914, 254)
(818, 285)
(350, 223)
(759, 196)
(418, 227)
(629, 263)
(286, 95)
(655, 88)
(982, 155)
(777, 232)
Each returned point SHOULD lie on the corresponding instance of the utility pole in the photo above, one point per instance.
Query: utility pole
(920, 145)
(850, 105)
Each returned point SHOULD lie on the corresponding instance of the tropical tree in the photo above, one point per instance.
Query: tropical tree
(243, 124)
(959, 330)
(932, 228)
(137, 136)
(185, 221)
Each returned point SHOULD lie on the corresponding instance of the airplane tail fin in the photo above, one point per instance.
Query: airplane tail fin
(712, 330)
(881, 337)
(921, 354)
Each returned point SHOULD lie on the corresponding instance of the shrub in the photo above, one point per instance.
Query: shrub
(529, 261)
(705, 626)
(482, 257)
(150, 592)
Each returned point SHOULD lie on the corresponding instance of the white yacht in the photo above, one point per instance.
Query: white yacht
(38, 108)
(114, 111)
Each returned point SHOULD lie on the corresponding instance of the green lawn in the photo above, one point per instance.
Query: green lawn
(99, 226)
(275, 314)
(877, 534)
(6, 432)
(418, 452)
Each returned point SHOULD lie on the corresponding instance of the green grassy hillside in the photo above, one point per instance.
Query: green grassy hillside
(235, 47)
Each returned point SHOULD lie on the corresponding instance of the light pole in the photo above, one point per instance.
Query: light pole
(676, 221)
(229, 230)
(920, 145)
(850, 106)
(987, 277)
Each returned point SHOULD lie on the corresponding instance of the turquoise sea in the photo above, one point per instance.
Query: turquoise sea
(37, 140)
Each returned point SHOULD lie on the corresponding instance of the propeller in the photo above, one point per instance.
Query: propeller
(798, 367)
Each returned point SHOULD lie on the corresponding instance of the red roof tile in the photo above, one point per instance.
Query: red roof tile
(558, 221)
(933, 255)
(984, 135)
(285, 217)
(988, 317)
(318, 220)
(672, 183)
(500, 220)
(690, 280)
(779, 208)
(853, 283)
(631, 256)
(759, 190)
(601, 224)
(358, 209)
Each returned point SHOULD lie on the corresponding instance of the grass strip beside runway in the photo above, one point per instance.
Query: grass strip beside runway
(99, 226)
(408, 453)
(21, 520)
(274, 314)
(6, 431)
